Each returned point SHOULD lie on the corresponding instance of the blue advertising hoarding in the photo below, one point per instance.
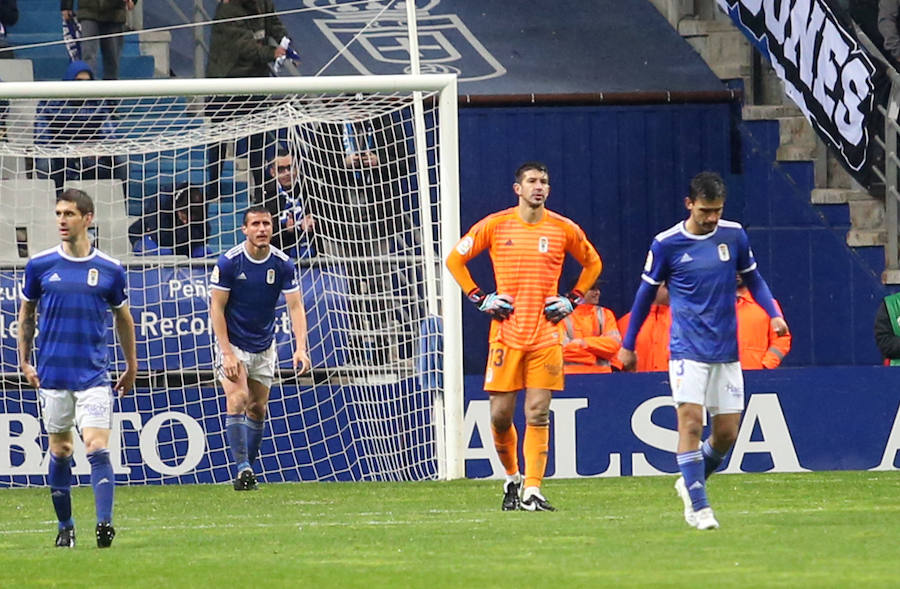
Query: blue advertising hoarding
(170, 306)
(796, 419)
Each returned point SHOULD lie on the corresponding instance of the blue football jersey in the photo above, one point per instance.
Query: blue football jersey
(254, 287)
(701, 273)
(74, 296)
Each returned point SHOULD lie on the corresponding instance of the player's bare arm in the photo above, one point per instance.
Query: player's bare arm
(298, 324)
(27, 328)
(125, 331)
(230, 364)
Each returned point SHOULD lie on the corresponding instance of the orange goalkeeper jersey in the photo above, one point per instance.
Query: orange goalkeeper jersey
(527, 260)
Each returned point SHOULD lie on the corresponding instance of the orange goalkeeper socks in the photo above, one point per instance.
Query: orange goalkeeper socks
(537, 443)
(506, 444)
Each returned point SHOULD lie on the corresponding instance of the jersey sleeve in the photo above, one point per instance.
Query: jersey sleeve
(118, 294)
(222, 277)
(475, 241)
(745, 260)
(289, 281)
(656, 267)
(583, 250)
(31, 285)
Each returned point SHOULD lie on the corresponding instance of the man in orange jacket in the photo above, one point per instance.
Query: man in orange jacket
(758, 344)
(652, 344)
(591, 339)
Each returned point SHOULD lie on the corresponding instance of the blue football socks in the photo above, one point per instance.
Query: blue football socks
(255, 431)
(60, 480)
(236, 434)
(712, 458)
(103, 480)
(691, 466)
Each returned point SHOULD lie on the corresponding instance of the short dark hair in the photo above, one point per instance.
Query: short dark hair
(707, 186)
(82, 201)
(255, 209)
(282, 152)
(188, 196)
(539, 166)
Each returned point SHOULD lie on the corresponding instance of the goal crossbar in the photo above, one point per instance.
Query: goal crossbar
(229, 86)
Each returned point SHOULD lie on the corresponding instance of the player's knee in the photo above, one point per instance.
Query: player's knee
(690, 425)
(238, 402)
(256, 411)
(501, 422)
(537, 416)
(92, 445)
(62, 448)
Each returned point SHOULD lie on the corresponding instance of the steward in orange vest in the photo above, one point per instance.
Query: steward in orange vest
(591, 339)
(652, 344)
(758, 344)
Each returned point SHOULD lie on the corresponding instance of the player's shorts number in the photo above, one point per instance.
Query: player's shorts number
(498, 356)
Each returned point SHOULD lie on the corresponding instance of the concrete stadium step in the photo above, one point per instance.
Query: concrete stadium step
(867, 238)
(834, 196)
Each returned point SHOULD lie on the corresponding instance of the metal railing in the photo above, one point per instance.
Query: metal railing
(888, 173)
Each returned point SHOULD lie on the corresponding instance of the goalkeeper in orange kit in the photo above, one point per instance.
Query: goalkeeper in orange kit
(528, 245)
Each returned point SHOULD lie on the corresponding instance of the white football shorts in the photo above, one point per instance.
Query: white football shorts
(719, 387)
(260, 366)
(61, 409)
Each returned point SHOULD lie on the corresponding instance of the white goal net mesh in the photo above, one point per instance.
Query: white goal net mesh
(171, 177)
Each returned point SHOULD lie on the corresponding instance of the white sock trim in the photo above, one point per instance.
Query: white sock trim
(532, 491)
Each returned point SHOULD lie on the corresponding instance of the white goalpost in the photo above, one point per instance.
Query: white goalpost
(361, 174)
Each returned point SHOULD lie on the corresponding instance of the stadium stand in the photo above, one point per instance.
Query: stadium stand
(40, 22)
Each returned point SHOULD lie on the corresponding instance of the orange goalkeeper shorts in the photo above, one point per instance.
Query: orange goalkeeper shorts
(510, 370)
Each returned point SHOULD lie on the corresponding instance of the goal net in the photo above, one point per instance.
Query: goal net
(360, 175)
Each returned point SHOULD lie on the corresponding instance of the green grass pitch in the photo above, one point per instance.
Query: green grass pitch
(837, 529)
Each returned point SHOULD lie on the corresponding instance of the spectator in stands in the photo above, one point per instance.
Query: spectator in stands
(287, 199)
(241, 48)
(887, 329)
(363, 164)
(591, 339)
(100, 17)
(888, 21)
(64, 122)
(758, 344)
(9, 15)
(652, 344)
(168, 228)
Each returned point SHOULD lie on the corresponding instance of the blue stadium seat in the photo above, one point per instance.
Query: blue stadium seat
(37, 21)
(21, 38)
(49, 68)
(45, 6)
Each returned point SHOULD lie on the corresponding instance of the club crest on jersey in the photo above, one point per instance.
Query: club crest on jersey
(544, 245)
(724, 253)
(214, 277)
(93, 277)
(648, 263)
(270, 276)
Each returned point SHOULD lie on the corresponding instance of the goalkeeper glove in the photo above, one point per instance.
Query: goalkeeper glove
(561, 306)
(498, 306)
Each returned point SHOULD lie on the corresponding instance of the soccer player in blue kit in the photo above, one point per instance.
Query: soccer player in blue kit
(71, 288)
(244, 289)
(698, 259)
